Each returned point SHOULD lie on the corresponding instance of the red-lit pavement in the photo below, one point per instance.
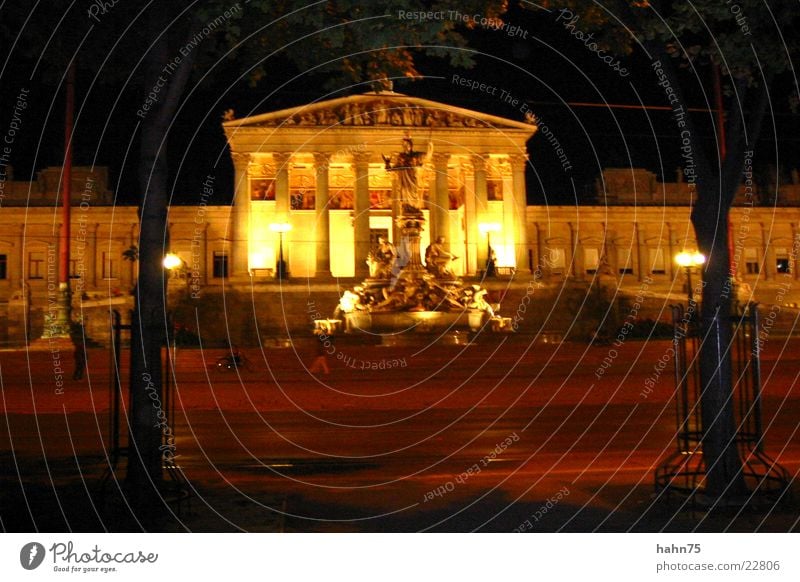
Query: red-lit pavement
(499, 436)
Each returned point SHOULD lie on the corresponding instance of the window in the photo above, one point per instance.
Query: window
(751, 261)
(625, 261)
(220, 264)
(262, 189)
(75, 269)
(556, 260)
(3, 266)
(657, 266)
(109, 266)
(36, 266)
(591, 259)
(494, 189)
(782, 261)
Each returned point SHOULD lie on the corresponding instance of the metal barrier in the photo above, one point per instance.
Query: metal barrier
(180, 489)
(684, 471)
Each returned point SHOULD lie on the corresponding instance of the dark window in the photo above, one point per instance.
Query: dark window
(782, 265)
(220, 264)
(75, 269)
(36, 266)
(3, 266)
(109, 266)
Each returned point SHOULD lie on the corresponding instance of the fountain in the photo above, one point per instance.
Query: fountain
(401, 294)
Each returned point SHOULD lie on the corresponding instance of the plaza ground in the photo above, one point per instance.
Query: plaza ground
(504, 434)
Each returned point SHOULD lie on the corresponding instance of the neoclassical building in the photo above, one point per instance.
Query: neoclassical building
(319, 168)
(313, 180)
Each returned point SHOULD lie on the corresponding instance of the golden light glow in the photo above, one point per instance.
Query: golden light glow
(280, 227)
(690, 259)
(172, 261)
(485, 227)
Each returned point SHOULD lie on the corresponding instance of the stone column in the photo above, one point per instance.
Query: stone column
(130, 266)
(770, 262)
(794, 259)
(518, 163)
(481, 205)
(90, 262)
(322, 224)
(240, 231)
(508, 235)
(361, 212)
(641, 248)
(281, 186)
(282, 206)
(471, 220)
(15, 270)
(670, 258)
(440, 207)
(571, 266)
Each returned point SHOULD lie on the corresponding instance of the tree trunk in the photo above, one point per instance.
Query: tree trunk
(147, 416)
(723, 466)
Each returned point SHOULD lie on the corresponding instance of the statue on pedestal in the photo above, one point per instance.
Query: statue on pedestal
(406, 165)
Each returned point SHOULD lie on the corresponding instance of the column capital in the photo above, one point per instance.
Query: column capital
(281, 159)
(440, 159)
(518, 161)
(322, 158)
(479, 162)
(361, 158)
(240, 160)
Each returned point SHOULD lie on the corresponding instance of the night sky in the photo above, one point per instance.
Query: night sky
(541, 66)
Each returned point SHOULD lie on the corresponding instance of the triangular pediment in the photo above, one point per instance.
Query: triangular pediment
(384, 109)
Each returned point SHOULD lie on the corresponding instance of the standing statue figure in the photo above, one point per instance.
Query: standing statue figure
(406, 164)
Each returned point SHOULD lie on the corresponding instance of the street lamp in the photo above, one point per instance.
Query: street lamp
(171, 261)
(690, 260)
(488, 228)
(280, 227)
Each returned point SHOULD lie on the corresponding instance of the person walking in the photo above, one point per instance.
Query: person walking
(80, 350)
(320, 363)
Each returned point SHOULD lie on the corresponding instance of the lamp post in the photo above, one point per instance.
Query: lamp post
(488, 228)
(690, 260)
(280, 227)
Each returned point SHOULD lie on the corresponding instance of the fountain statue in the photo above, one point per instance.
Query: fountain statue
(402, 294)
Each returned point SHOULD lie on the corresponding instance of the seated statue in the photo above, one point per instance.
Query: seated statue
(437, 259)
(381, 259)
